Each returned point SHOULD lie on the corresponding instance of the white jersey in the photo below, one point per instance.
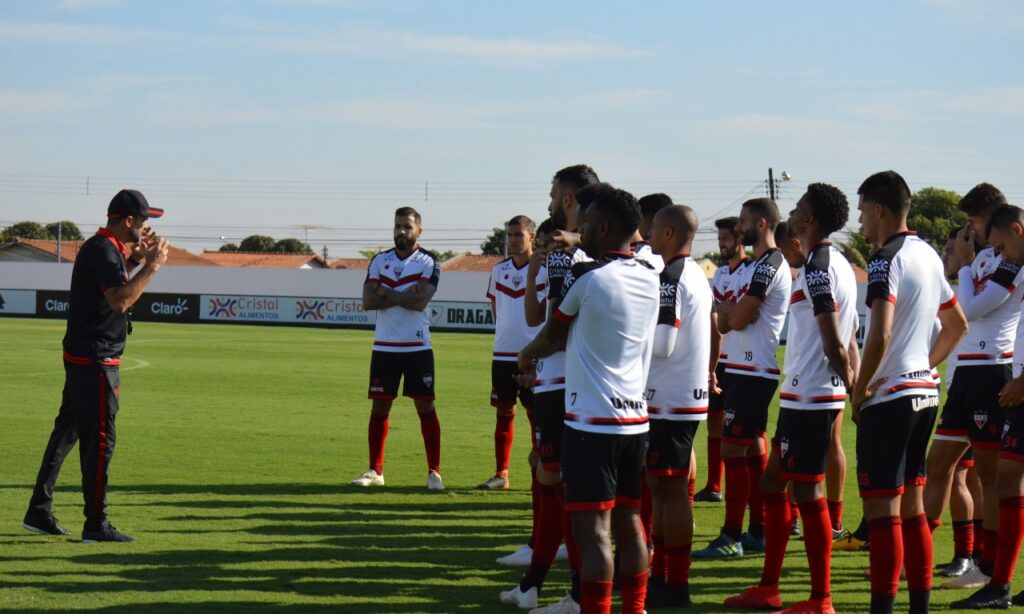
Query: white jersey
(824, 285)
(613, 307)
(643, 252)
(725, 287)
(753, 351)
(1018, 347)
(551, 369)
(506, 290)
(677, 386)
(907, 272)
(990, 292)
(399, 329)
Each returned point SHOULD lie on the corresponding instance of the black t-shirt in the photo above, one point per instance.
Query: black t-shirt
(94, 330)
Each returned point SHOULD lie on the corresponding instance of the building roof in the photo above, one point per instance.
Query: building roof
(708, 266)
(46, 249)
(350, 263)
(265, 260)
(471, 263)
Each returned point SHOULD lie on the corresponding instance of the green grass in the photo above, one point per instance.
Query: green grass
(235, 448)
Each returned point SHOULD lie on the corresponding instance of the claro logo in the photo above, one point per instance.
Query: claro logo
(56, 305)
(161, 308)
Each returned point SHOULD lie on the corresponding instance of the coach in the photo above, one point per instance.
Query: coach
(101, 296)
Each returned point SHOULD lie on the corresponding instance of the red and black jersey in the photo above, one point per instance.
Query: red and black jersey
(95, 331)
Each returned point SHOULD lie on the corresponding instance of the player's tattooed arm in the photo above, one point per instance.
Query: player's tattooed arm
(372, 300)
(415, 298)
(737, 316)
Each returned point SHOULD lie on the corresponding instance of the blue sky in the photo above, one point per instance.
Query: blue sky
(260, 116)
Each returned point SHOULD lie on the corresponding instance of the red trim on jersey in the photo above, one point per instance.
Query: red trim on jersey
(888, 492)
(593, 506)
(773, 371)
(373, 280)
(509, 291)
(82, 360)
(983, 356)
(557, 380)
(506, 353)
(562, 316)
(730, 365)
(688, 410)
(909, 385)
(789, 396)
(394, 283)
(798, 296)
(626, 501)
(620, 254)
(677, 323)
(399, 344)
(611, 421)
(723, 356)
(828, 398)
(948, 304)
(541, 287)
(121, 247)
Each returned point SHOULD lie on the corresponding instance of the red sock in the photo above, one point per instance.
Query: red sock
(918, 553)
(776, 536)
(534, 507)
(677, 565)
(378, 435)
(1011, 534)
(963, 537)
(933, 523)
(715, 465)
(691, 489)
(737, 492)
(756, 465)
(835, 514)
(504, 429)
(597, 597)
(549, 525)
(886, 554)
(659, 563)
(646, 509)
(988, 557)
(430, 428)
(634, 593)
(818, 523)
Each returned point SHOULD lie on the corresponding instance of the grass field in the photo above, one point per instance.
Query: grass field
(235, 448)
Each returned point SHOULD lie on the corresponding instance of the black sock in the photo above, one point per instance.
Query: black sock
(882, 604)
(919, 602)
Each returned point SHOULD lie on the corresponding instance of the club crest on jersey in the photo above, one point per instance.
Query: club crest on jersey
(728, 416)
(516, 280)
(398, 269)
(980, 418)
(428, 380)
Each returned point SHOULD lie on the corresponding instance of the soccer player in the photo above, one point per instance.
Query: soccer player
(506, 291)
(756, 320)
(724, 288)
(895, 397)
(399, 285)
(606, 320)
(818, 372)
(98, 324)
(989, 293)
(1006, 234)
(548, 380)
(677, 399)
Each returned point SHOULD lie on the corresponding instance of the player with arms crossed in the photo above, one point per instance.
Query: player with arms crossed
(399, 285)
(818, 372)
(895, 397)
(606, 320)
(753, 368)
(677, 399)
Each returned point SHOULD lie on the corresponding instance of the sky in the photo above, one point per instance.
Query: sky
(317, 118)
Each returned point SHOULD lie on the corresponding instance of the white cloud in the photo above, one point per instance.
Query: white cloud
(990, 101)
(19, 104)
(69, 33)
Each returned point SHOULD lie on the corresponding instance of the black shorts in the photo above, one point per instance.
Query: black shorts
(746, 408)
(669, 444)
(416, 368)
(892, 440)
(967, 460)
(549, 422)
(504, 388)
(1011, 447)
(602, 471)
(803, 438)
(716, 402)
(972, 411)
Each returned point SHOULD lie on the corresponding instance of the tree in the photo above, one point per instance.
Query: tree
(292, 246)
(933, 214)
(24, 230)
(229, 247)
(68, 231)
(370, 253)
(257, 243)
(494, 245)
(442, 256)
(856, 249)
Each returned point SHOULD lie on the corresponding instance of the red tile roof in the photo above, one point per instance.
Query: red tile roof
(351, 263)
(264, 260)
(69, 250)
(475, 263)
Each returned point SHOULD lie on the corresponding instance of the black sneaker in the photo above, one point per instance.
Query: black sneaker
(1018, 599)
(956, 568)
(985, 598)
(106, 534)
(794, 528)
(707, 496)
(669, 597)
(44, 525)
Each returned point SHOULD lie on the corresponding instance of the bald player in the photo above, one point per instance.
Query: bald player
(677, 399)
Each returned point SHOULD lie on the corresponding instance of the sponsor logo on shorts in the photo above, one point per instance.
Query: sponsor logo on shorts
(920, 403)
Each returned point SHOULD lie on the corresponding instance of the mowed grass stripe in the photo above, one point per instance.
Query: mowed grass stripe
(235, 448)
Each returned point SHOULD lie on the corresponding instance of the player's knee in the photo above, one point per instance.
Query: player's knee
(534, 459)
(548, 478)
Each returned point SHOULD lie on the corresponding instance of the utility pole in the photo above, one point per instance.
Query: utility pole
(506, 239)
(325, 254)
(60, 227)
(771, 184)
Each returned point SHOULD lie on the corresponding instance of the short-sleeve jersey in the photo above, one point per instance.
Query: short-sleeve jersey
(399, 329)
(94, 331)
(907, 272)
(753, 351)
(506, 291)
(824, 285)
(989, 339)
(1018, 346)
(643, 252)
(551, 369)
(677, 386)
(613, 307)
(724, 287)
